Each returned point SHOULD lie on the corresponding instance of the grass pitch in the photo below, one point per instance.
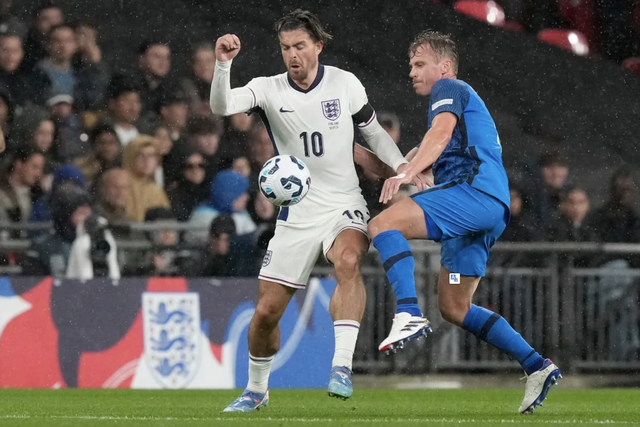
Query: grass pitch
(473, 407)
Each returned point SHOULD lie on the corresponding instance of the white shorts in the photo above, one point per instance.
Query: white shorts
(294, 249)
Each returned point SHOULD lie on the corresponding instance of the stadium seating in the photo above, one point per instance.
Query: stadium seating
(487, 11)
(582, 16)
(571, 40)
(632, 64)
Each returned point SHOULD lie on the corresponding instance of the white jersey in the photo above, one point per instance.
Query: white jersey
(315, 125)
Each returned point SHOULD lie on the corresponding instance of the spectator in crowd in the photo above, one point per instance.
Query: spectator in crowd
(70, 206)
(390, 123)
(173, 113)
(261, 148)
(9, 22)
(17, 181)
(616, 220)
(57, 74)
(64, 176)
(235, 139)
(186, 193)
(123, 108)
(113, 196)
(71, 140)
(520, 227)
(106, 153)
(218, 261)
(34, 127)
(543, 198)
(164, 259)
(13, 77)
(228, 194)
(154, 64)
(572, 224)
(242, 166)
(88, 62)
(197, 86)
(45, 16)
(141, 158)
(204, 136)
(6, 112)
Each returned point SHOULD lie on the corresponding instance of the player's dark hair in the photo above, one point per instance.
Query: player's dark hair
(305, 20)
(441, 44)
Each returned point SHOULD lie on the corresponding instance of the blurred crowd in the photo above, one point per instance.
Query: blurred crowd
(143, 147)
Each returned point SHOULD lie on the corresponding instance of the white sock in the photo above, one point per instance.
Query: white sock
(346, 332)
(259, 370)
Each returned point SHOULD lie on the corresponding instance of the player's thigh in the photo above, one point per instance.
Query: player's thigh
(291, 255)
(273, 299)
(405, 216)
(344, 234)
(453, 210)
(455, 295)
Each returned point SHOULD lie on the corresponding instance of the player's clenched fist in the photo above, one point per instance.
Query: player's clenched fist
(227, 47)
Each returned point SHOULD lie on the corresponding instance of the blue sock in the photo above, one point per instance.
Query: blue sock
(398, 262)
(492, 328)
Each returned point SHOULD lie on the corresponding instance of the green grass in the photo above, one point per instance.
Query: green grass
(474, 407)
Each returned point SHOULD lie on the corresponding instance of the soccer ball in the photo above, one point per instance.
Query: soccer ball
(284, 180)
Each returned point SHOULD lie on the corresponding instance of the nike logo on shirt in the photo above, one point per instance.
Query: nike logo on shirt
(282, 110)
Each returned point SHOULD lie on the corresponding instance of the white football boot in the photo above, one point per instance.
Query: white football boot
(405, 328)
(538, 385)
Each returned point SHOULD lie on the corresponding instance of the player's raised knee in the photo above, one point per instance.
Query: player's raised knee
(348, 261)
(377, 225)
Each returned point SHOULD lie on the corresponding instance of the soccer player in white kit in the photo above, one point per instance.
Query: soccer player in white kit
(311, 112)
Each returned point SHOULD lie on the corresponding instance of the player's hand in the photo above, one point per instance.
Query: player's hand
(227, 47)
(422, 181)
(392, 185)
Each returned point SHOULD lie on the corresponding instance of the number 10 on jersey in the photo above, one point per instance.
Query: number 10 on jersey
(316, 143)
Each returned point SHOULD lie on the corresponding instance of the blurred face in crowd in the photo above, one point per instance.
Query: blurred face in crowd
(48, 18)
(261, 148)
(576, 205)
(62, 44)
(220, 244)
(242, 166)
(264, 208)
(207, 143)
(300, 54)
(625, 191)
(204, 62)
(426, 69)
(240, 204)
(126, 108)
(80, 215)
(241, 122)
(29, 171)
(116, 188)
(107, 146)
(163, 135)
(11, 53)
(175, 115)
(516, 202)
(194, 169)
(62, 110)
(156, 60)
(147, 160)
(554, 176)
(167, 237)
(44, 134)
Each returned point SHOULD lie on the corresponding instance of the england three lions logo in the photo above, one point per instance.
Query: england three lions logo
(331, 109)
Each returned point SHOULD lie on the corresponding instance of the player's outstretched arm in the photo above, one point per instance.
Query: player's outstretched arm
(371, 163)
(433, 144)
(222, 99)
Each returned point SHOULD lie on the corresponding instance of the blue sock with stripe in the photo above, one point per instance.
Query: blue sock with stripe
(398, 262)
(492, 328)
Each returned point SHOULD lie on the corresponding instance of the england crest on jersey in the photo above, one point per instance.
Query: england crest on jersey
(171, 330)
(331, 109)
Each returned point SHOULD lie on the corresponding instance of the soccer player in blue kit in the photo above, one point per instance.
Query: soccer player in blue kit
(466, 210)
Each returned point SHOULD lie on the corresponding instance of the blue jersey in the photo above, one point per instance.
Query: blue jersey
(474, 154)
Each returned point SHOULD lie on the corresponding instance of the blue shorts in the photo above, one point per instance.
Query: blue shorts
(467, 222)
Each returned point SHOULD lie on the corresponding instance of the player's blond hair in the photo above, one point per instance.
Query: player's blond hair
(441, 44)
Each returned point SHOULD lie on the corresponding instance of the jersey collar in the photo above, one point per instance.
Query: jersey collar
(315, 83)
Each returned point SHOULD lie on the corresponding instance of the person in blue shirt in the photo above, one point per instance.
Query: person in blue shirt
(466, 210)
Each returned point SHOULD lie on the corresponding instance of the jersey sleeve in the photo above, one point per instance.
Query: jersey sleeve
(226, 101)
(450, 96)
(258, 89)
(357, 95)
